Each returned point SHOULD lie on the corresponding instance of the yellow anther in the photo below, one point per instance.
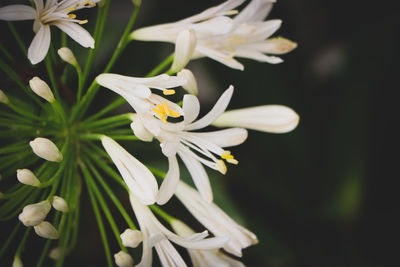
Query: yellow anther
(226, 155)
(165, 108)
(232, 12)
(83, 21)
(232, 161)
(71, 16)
(174, 114)
(72, 8)
(221, 167)
(169, 92)
(88, 3)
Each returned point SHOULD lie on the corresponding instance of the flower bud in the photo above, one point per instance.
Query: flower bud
(184, 49)
(137, 2)
(66, 54)
(34, 214)
(59, 204)
(55, 253)
(123, 259)
(3, 98)
(41, 88)
(17, 262)
(191, 85)
(27, 177)
(46, 230)
(46, 149)
(131, 238)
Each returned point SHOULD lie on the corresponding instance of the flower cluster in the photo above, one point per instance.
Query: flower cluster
(199, 142)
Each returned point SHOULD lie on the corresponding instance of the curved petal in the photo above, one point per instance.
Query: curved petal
(227, 60)
(191, 108)
(168, 186)
(76, 32)
(17, 12)
(215, 112)
(40, 45)
(224, 138)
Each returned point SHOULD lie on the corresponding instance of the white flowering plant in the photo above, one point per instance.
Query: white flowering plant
(54, 149)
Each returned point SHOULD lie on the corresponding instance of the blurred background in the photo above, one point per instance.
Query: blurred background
(322, 195)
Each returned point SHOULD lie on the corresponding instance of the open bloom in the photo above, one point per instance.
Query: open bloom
(52, 13)
(140, 181)
(268, 118)
(201, 258)
(156, 235)
(215, 220)
(194, 148)
(222, 38)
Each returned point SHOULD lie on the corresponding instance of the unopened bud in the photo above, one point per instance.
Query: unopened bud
(41, 88)
(46, 230)
(131, 238)
(34, 214)
(46, 149)
(137, 2)
(280, 45)
(59, 204)
(17, 262)
(55, 253)
(66, 54)
(123, 259)
(184, 49)
(27, 177)
(3, 98)
(191, 85)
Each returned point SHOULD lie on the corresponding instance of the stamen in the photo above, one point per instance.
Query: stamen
(232, 161)
(165, 108)
(72, 8)
(232, 12)
(226, 155)
(221, 167)
(89, 3)
(169, 92)
(83, 21)
(71, 16)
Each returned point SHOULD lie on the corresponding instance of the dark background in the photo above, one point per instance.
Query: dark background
(324, 194)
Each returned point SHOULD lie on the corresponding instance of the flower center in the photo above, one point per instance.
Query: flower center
(163, 111)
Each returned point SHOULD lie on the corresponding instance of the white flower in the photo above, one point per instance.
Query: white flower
(52, 13)
(177, 138)
(191, 83)
(3, 98)
(222, 38)
(156, 235)
(131, 238)
(204, 257)
(215, 220)
(46, 149)
(34, 214)
(123, 259)
(137, 93)
(140, 181)
(59, 204)
(27, 177)
(41, 88)
(66, 54)
(268, 118)
(184, 49)
(46, 230)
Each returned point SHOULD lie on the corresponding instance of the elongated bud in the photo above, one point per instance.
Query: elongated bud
(3, 98)
(46, 230)
(184, 49)
(280, 45)
(137, 3)
(131, 238)
(191, 84)
(123, 259)
(66, 54)
(55, 253)
(17, 262)
(34, 214)
(41, 88)
(46, 149)
(269, 118)
(27, 177)
(60, 204)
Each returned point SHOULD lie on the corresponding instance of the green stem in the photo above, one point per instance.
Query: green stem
(162, 213)
(23, 241)
(115, 104)
(17, 38)
(106, 121)
(9, 239)
(161, 66)
(53, 81)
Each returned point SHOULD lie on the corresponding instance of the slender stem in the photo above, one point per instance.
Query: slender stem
(106, 121)
(161, 66)
(162, 213)
(17, 38)
(49, 68)
(9, 239)
(23, 241)
(5, 52)
(115, 104)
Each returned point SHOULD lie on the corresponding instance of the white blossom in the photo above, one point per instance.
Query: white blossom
(46, 230)
(156, 235)
(131, 238)
(34, 214)
(46, 149)
(59, 204)
(222, 38)
(26, 176)
(215, 220)
(41, 88)
(140, 181)
(123, 259)
(54, 12)
(268, 118)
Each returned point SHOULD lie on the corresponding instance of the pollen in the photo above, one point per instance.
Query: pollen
(71, 16)
(226, 155)
(72, 8)
(169, 92)
(89, 3)
(83, 21)
(163, 111)
(221, 167)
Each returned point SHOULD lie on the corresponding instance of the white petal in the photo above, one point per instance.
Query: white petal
(268, 118)
(256, 10)
(170, 148)
(198, 174)
(220, 57)
(224, 138)
(76, 32)
(215, 112)
(191, 108)
(39, 4)
(184, 49)
(168, 186)
(258, 56)
(215, 26)
(141, 131)
(17, 12)
(40, 45)
(191, 83)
